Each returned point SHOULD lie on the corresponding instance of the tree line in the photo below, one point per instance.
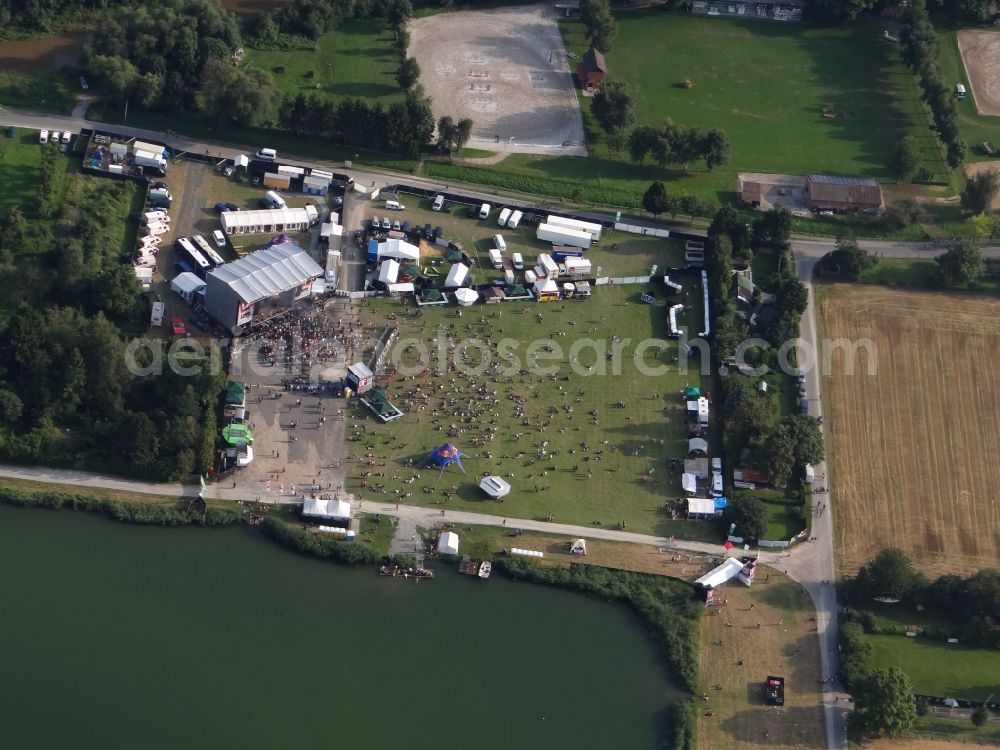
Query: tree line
(920, 52)
(402, 127)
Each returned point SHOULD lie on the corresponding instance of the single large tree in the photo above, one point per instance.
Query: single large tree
(598, 23)
(980, 190)
(961, 263)
(883, 703)
(655, 199)
(905, 158)
(408, 73)
(613, 106)
(848, 259)
(749, 514)
(715, 149)
(889, 574)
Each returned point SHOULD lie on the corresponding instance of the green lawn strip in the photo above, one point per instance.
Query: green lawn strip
(46, 92)
(918, 274)
(652, 422)
(20, 170)
(357, 60)
(975, 127)
(941, 669)
(957, 729)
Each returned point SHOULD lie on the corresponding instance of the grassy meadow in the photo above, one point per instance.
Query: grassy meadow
(639, 421)
(940, 668)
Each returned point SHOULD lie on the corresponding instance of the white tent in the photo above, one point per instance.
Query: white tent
(187, 285)
(718, 576)
(465, 296)
(689, 483)
(495, 487)
(578, 547)
(388, 273)
(398, 249)
(545, 288)
(697, 445)
(456, 276)
(338, 510)
(448, 543)
(701, 506)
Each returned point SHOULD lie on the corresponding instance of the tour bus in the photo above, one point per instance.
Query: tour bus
(189, 252)
(206, 249)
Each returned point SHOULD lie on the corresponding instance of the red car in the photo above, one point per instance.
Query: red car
(177, 326)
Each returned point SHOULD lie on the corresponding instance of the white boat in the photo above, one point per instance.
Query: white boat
(485, 569)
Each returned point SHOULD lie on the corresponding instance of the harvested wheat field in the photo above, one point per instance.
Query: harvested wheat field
(915, 448)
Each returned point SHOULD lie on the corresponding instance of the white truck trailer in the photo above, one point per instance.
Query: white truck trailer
(558, 235)
(592, 228)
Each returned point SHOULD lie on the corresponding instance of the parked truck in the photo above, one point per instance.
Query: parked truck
(592, 228)
(774, 692)
(563, 236)
(150, 159)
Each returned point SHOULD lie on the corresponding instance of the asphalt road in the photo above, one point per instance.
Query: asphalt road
(812, 564)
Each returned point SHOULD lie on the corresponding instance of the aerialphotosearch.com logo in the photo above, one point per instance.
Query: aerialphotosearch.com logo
(475, 356)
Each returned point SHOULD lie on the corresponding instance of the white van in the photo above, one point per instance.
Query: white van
(274, 200)
(43, 137)
(394, 205)
(484, 211)
(438, 203)
(268, 154)
(496, 258)
(810, 474)
(504, 215)
(518, 261)
(499, 243)
(515, 219)
(959, 90)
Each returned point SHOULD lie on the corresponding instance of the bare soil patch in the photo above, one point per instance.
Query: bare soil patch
(981, 55)
(44, 53)
(507, 70)
(913, 449)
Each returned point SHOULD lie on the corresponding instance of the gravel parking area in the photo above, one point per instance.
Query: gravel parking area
(507, 70)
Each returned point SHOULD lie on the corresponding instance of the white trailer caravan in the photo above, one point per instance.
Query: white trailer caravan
(496, 258)
(592, 228)
(548, 267)
(563, 236)
(156, 318)
(504, 215)
(515, 219)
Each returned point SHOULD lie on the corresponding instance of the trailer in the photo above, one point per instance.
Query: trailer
(156, 317)
(590, 227)
(496, 258)
(577, 268)
(504, 215)
(515, 219)
(187, 251)
(558, 235)
(546, 268)
(206, 249)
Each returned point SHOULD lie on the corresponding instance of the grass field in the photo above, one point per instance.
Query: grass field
(20, 169)
(628, 476)
(785, 645)
(766, 85)
(916, 274)
(913, 449)
(356, 60)
(940, 668)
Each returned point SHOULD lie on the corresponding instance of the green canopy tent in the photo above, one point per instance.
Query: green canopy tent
(692, 392)
(236, 392)
(237, 434)
(453, 256)
(430, 294)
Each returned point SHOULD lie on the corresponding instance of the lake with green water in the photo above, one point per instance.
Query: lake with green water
(115, 636)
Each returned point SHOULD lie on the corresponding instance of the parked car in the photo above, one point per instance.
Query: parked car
(804, 406)
(438, 203)
(66, 136)
(43, 136)
(406, 228)
(802, 390)
(386, 224)
(232, 207)
(376, 224)
(438, 232)
(396, 225)
(428, 232)
(393, 205)
(219, 237)
(158, 186)
(338, 201)
(222, 208)
(177, 326)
